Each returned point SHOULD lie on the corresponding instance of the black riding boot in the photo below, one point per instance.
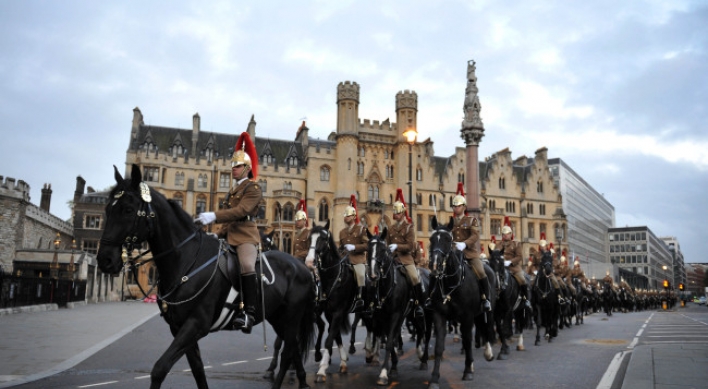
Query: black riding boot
(524, 293)
(560, 296)
(431, 287)
(484, 289)
(245, 318)
(418, 296)
(359, 302)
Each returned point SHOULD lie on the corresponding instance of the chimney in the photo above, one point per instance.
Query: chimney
(46, 197)
(80, 185)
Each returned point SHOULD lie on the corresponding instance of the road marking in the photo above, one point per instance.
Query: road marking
(142, 377)
(611, 372)
(264, 358)
(232, 363)
(98, 384)
(634, 342)
(678, 336)
(639, 333)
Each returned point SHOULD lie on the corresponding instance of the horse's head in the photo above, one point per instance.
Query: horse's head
(129, 216)
(546, 262)
(379, 255)
(322, 249)
(267, 241)
(440, 245)
(496, 258)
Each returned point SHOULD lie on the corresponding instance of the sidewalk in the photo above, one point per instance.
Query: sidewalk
(38, 344)
(676, 366)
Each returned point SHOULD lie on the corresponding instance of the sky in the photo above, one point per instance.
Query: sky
(617, 89)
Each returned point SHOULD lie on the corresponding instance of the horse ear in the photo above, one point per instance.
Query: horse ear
(368, 234)
(434, 223)
(326, 227)
(384, 233)
(271, 233)
(451, 223)
(135, 176)
(117, 175)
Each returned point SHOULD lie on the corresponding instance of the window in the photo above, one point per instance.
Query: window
(287, 186)
(225, 180)
(542, 209)
(90, 246)
(324, 173)
(430, 223)
(288, 212)
(323, 211)
(287, 243)
(178, 198)
(151, 275)
(542, 228)
(502, 183)
(261, 212)
(461, 177)
(529, 209)
(360, 168)
(92, 222)
(362, 152)
(418, 198)
(202, 181)
(201, 204)
(492, 204)
(373, 192)
(419, 222)
(419, 174)
(292, 161)
(539, 187)
(510, 207)
(530, 231)
(151, 174)
(385, 154)
(431, 200)
(495, 226)
(179, 179)
(264, 186)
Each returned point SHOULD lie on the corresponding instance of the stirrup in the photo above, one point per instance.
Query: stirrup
(358, 305)
(243, 322)
(418, 311)
(486, 305)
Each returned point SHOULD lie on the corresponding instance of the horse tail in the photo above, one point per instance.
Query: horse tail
(306, 337)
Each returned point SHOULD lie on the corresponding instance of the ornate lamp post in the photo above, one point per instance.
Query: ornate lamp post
(54, 266)
(411, 134)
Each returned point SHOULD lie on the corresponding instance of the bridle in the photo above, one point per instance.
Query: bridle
(450, 275)
(319, 254)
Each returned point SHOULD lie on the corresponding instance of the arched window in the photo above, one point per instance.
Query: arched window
(419, 174)
(288, 212)
(201, 204)
(202, 181)
(373, 192)
(323, 211)
(502, 183)
(431, 201)
(461, 177)
(349, 164)
(179, 178)
(529, 208)
(539, 187)
(261, 211)
(324, 173)
(360, 169)
(179, 199)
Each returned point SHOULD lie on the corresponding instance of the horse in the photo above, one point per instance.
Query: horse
(545, 300)
(582, 300)
(337, 292)
(509, 304)
(608, 297)
(393, 301)
(455, 295)
(195, 296)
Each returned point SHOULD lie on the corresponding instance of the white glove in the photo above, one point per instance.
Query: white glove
(206, 218)
(460, 245)
(310, 262)
(392, 247)
(349, 247)
(507, 263)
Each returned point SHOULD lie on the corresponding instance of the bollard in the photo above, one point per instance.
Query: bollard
(664, 304)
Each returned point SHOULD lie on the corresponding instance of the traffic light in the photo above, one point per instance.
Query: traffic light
(666, 284)
(681, 287)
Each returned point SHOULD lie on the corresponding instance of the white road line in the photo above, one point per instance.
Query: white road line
(142, 377)
(264, 358)
(639, 333)
(634, 342)
(611, 372)
(99, 384)
(232, 363)
(677, 336)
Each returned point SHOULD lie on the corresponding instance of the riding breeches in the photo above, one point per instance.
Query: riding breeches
(360, 273)
(519, 275)
(412, 274)
(478, 268)
(554, 280)
(247, 253)
(572, 289)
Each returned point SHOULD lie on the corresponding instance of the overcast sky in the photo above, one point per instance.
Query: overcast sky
(617, 89)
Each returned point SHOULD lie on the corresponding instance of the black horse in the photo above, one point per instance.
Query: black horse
(392, 302)
(509, 305)
(608, 298)
(194, 292)
(545, 300)
(582, 300)
(455, 295)
(337, 292)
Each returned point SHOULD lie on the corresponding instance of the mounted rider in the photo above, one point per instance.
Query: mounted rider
(239, 228)
(512, 253)
(402, 243)
(354, 241)
(538, 255)
(302, 233)
(465, 234)
(578, 273)
(564, 274)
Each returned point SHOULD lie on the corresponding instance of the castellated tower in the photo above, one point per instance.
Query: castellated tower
(347, 132)
(406, 112)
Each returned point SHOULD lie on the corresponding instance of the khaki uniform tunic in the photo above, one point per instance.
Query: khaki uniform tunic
(466, 229)
(512, 252)
(302, 243)
(403, 235)
(242, 205)
(355, 235)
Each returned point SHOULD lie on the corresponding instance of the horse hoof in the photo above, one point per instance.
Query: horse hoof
(536, 343)
(318, 356)
(423, 366)
(433, 386)
(393, 374)
(502, 357)
(477, 345)
(352, 349)
(320, 378)
(343, 370)
(382, 381)
(369, 359)
(268, 375)
(520, 348)
(468, 377)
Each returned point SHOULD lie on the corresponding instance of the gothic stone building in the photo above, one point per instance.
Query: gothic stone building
(367, 158)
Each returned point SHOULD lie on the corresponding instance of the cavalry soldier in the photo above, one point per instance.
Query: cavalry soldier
(239, 227)
(624, 285)
(302, 233)
(608, 280)
(537, 255)
(402, 243)
(353, 239)
(564, 274)
(578, 273)
(512, 253)
(465, 233)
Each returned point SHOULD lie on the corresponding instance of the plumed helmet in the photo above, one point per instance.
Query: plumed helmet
(351, 210)
(399, 206)
(576, 263)
(459, 198)
(482, 256)
(506, 230)
(543, 242)
(493, 243)
(245, 154)
(563, 258)
(301, 214)
(507, 227)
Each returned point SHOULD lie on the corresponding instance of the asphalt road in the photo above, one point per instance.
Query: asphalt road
(578, 358)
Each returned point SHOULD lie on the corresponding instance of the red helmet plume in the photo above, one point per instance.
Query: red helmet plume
(400, 199)
(507, 227)
(245, 144)
(352, 202)
(301, 213)
(459, 198)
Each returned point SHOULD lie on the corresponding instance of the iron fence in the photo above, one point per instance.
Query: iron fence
(24, 291)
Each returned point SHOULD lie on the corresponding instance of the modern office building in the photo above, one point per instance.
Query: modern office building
(679, 273)
(589, 216)
(641, 258)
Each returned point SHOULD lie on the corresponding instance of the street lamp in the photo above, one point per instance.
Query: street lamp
(410, 135)
(559, 238)
(54, 266)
